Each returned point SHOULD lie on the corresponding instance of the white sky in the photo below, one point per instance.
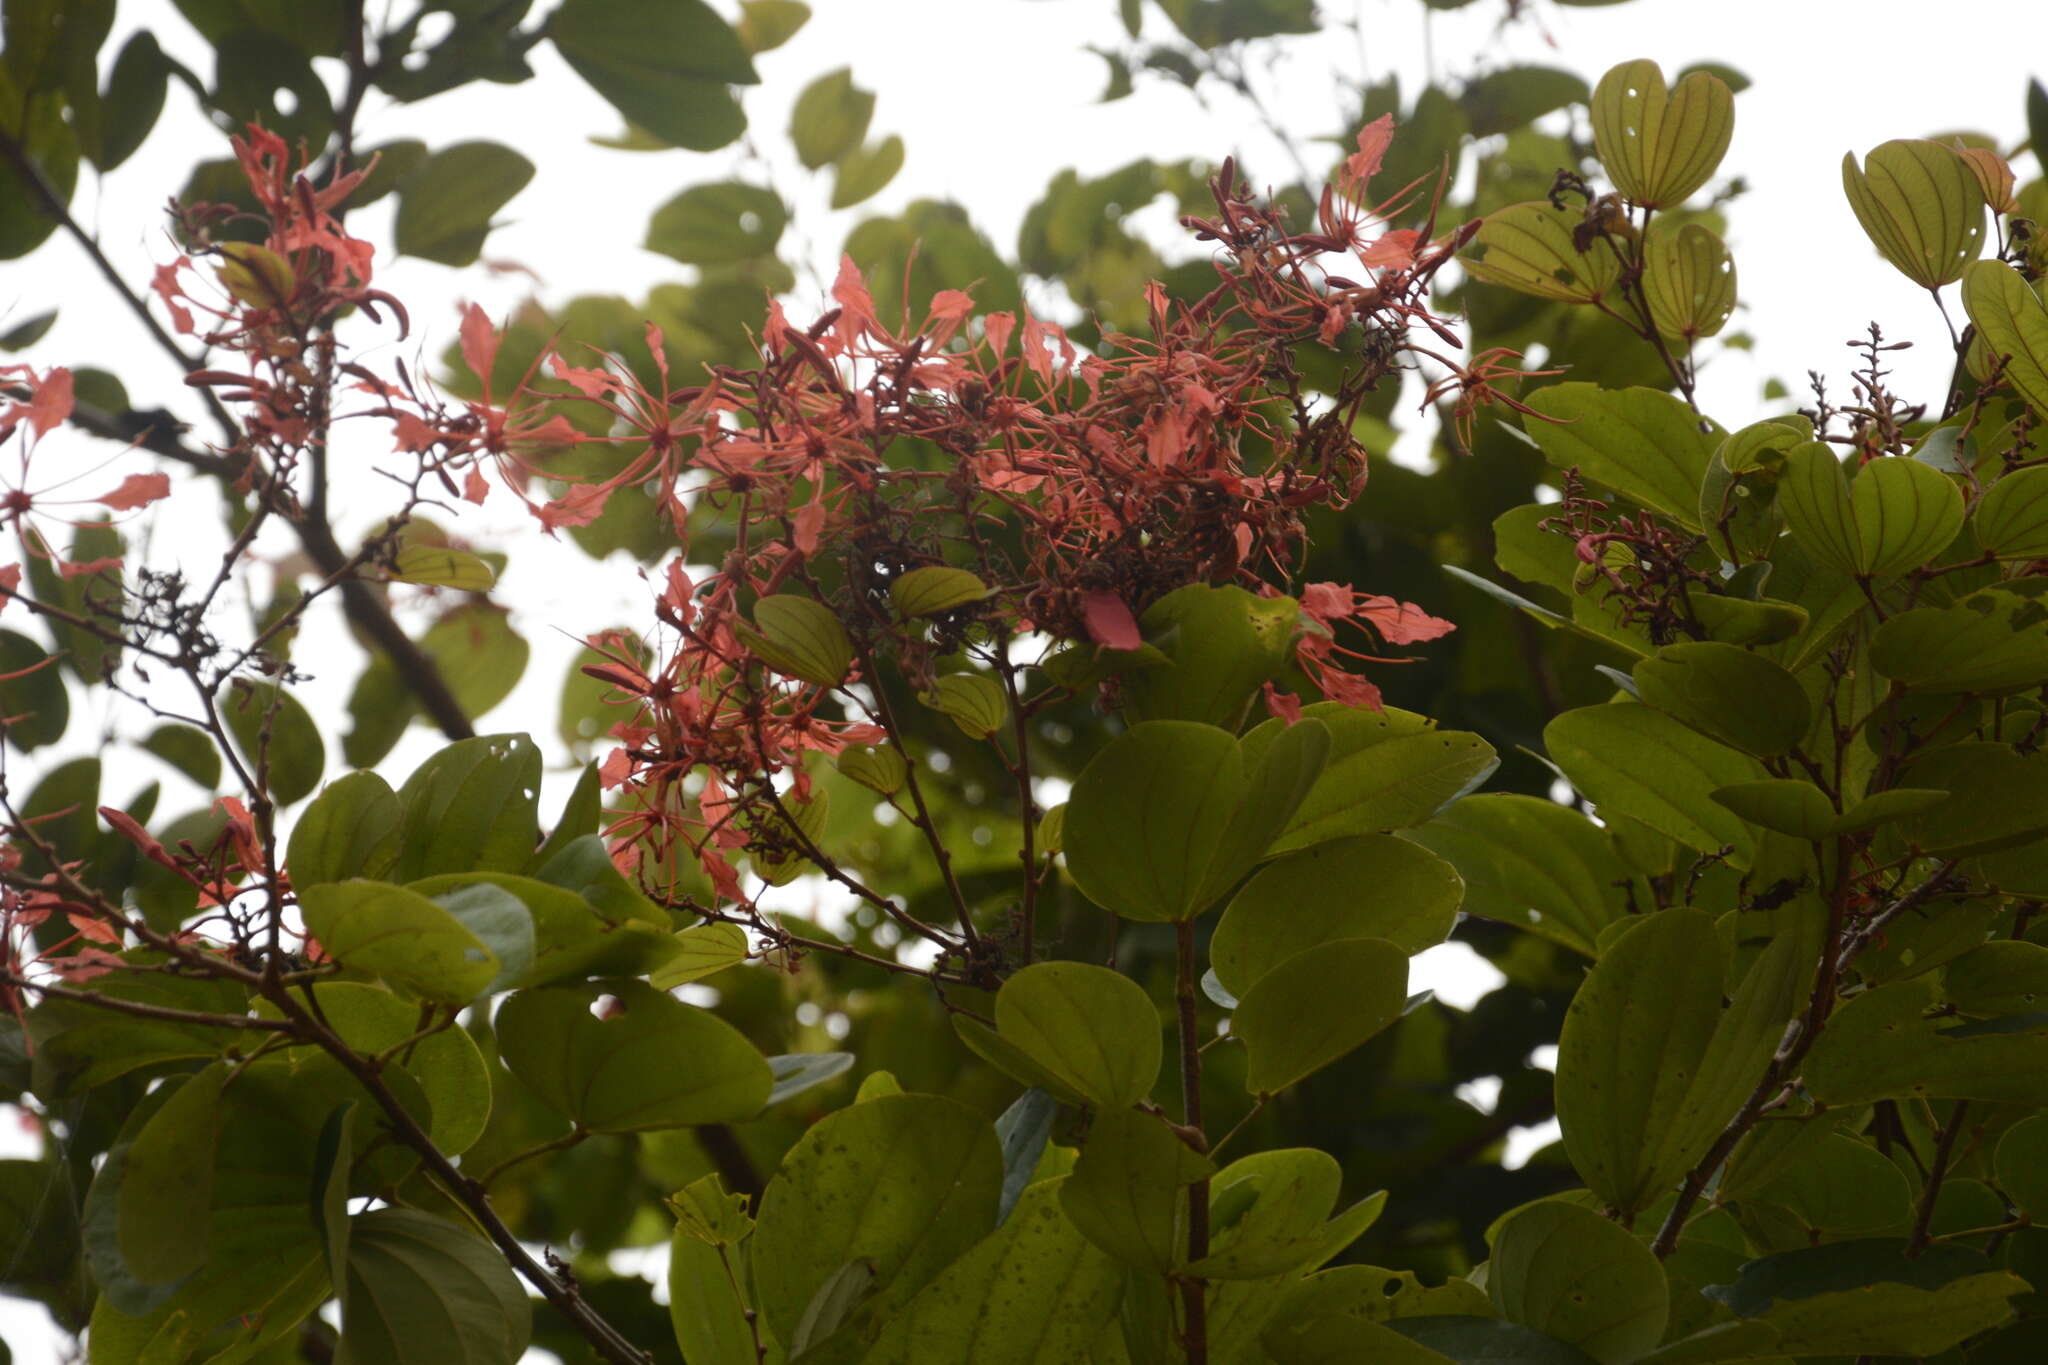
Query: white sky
(992, 97)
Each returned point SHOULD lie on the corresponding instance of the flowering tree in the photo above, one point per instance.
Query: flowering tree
(1019, 645)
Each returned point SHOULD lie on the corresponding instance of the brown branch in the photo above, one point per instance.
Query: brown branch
(1944, 1150)
(1192, 1289)
(139, 1009)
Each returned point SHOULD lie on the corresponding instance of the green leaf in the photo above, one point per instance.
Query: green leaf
(830, 118)
(353, 829)
(1643, 443)
(1632, 760)
(501, 922)
(1529, 248)
(2005, 977)
(1741, 699)
(2011, 519)
(443, 567)
(447, 1065)
(1125, 1192)
(1997, 799)
(1789, 805)
(1146, 813)
(1022, 1129)
(1688, 280)
(1883, 1044)
(796, 1072)
(1094, 1030)
(799, 637)
(1222, 643)
(975, 701)
(166, 1191)
(445, 206)
(35, 121)
(1650, 1065)
(865, 171)
(1991, 643)
(1267, 1215)
(650, 1062)
(1571, 1274)
(1513, 97)
(934, 589)
(1385, 770)
(2012, 323)
(400, 935)
(878, 767)
(1487, 1339)
(665, 67)
(1531, 862)
(332, 1161)
(904, 1183)
(478, 653)
(706, 950)
(1840, 1186)
(1316, 1006)
(276, 737)
(573, 938)
(723, 224)
(472, 807)
(422, 1291)
(1659, 146)
(35, 704)
(1921, 207)
(1365, 886)
(706, 1306)
(767, 24)
(188, 749)
(1034, 1290)
(2022, 1165)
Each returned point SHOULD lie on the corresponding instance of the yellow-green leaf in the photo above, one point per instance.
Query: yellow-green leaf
(443, 567)
(2011, 519)
(799, 637)
(933, 589)
(866, 171)
(1528, 247)
(975, 701)
(1921, 207)
(1688, 280)
(706, 950)
(1660, 145)
(2011, 324)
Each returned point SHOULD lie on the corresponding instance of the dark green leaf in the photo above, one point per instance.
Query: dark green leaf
(422, 1291)
(665, 67)
(721, 224)
(445, 206)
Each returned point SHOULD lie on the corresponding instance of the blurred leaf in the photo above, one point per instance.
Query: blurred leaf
(188, 749)
(445, 206)
(830, 118)
(718, 224)
(27, 333)
(276, 738)
(1502, 101)
(767, 24)
(478, 654)
(35, 704)
(443, 567)
(353, 829)
(865, 171)
(664, 66)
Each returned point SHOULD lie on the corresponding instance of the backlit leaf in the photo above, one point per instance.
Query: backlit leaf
(1921, 207)
(1660, 145)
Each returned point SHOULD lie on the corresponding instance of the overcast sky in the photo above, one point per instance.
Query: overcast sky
(992, 97)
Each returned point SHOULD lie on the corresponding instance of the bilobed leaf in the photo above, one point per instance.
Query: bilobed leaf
(1650, 1066)
(650, 1062)
(2000, 978)
(472, 807)
(134, 98)
(352, 829)
(1644, 443)
(1905, 513)
(1146, 813)
(721, 224)
(1921, 207)
(1688, 280)
(1886, 1044)
(800, 637)
(273, 732)
(1571, 1274)
(1094, 1029)
(1125, 1191)
(975, 701)
(1632, 760)
(401, 936)
(1741, 699)
(478, 653)
(1034, 1290)
(1532, 862)
(665, 67)
(188, 749)
(443, 567)
(865, 171)
(1529, 248)
(166, 1192)
(35, 703)
(1364, 886)
(707, 949)
(878, 767)
(422, 1291)
(1991, 643)
(2022, 1165)
(1660, 145)
(1316, 1006)
(1385, 770)
(933, 589)
(1997, 799)
(2013, 326)
(830, 118)
(445, 206)
(1268, 1212)
(1222, 643)
(2011, 519)
(1505, 100)
(904, 1183)
(1281, 770)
